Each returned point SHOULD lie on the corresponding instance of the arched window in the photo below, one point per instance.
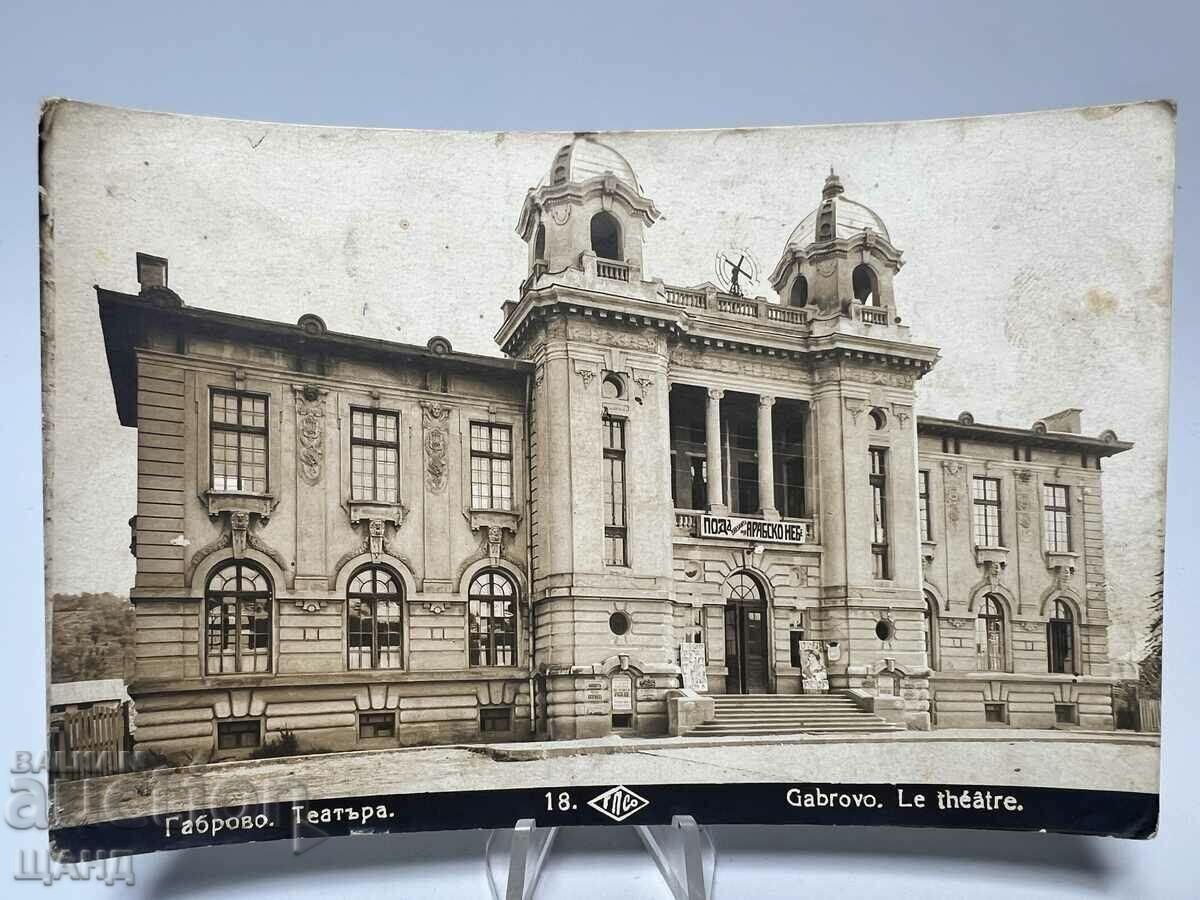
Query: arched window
(931, 631)
(866, 287)
(374, 619)
(611, 387)
(492, 611)
(606, 236)
(237, 615)
(1060, 638)
(539, 243)
(799, 295)
(989, 635)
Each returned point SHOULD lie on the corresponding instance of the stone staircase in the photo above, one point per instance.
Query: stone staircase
(750, 714)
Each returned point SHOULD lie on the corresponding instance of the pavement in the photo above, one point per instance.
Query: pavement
(1117, 761)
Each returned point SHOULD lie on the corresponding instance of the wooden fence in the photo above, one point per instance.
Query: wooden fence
(93, 742)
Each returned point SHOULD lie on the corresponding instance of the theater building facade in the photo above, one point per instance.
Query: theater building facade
(658, 494)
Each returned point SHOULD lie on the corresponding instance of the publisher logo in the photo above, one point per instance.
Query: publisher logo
(618, 803)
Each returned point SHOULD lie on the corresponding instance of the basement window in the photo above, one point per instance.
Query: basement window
(239, 735)
(995, 713)
(495, 718)
(1066, 713)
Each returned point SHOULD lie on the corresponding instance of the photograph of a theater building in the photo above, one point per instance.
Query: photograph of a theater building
(664, 509)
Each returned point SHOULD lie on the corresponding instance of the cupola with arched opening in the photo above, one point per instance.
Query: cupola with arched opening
(840, 262)
(590, 207)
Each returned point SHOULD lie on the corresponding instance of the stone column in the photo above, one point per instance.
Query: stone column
(766, 458)
(712, 438)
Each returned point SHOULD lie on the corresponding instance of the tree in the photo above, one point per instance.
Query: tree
(1150, 667)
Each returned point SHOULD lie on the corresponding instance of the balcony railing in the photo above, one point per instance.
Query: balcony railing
(611, 269)
(688, 299)
(874, 315)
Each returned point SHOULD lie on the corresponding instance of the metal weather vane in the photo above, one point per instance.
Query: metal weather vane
(737, 269)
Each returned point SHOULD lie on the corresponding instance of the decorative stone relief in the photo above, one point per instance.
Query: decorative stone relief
(435, 417)
(375, 533)
(494, 535)
(953, 489)
(437, 607)
(586, 373)
(310, 431)
(855, 407)
(902, 413)
(560, 213)
(239, 527)
(1025, 499)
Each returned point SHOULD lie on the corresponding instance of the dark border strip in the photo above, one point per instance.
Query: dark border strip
(1114, 813)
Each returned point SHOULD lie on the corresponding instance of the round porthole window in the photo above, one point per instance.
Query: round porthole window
(885, 630)
(618, 623)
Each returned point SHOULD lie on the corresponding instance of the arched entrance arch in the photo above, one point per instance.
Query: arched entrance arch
(746, 634)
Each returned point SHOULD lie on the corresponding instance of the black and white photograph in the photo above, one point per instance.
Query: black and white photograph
(411, 480)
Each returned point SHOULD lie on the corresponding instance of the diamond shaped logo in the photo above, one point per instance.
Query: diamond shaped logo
(618, 803)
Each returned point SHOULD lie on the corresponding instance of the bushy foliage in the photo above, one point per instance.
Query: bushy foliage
(91, 637)
(285, 745)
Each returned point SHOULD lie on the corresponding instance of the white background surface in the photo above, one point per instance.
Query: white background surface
(603, 66)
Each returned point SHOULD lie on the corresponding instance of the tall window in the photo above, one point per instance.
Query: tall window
(986, 496)
(539, 243)
(989, 635)
(374, 455)
(374, 621)
(237, 620)
(788, 424)
(879, 532)
(614, 493)
(491, 466)
(923, 504)
(931, 634)
(606, 236)
(238, 442)
(491, 601)
(1060, 638)
(1056, 502)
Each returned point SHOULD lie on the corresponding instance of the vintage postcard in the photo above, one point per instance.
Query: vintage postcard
(410, 480)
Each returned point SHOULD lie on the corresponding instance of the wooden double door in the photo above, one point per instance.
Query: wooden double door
(746, 647)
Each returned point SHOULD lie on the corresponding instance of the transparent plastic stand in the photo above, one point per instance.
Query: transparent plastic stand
(683, 852)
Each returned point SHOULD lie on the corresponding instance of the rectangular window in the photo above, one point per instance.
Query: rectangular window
(374, 455)
(495, 718)
(1056, 501)
(694, 634)
(1066, 714)
(491, 466)
(986, 497)
(879, 528)
(239, 735)
(996, 713)
(376, 725)
(374, 632)
(923, 504)
(493, 623)
(622, 720)
(615, 525)
(797, 652)
(238, 442)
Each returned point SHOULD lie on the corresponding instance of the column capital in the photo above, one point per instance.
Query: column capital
(715, 393)
(765, 401)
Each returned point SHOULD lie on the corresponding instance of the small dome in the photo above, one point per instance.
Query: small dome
(586, 158)
(850, 217)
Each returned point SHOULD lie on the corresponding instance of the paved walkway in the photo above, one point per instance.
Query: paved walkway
(1069, 759)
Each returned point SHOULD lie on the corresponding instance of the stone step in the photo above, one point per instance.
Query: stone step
(714, 729)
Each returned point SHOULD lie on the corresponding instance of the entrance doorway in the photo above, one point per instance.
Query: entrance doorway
(745, 635)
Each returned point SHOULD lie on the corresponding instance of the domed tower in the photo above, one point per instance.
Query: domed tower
(589, 203)
(840, 262)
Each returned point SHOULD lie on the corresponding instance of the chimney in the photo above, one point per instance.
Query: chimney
(1066, 420)
(151, 272)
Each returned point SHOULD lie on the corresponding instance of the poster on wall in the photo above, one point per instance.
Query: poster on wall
(814, 678)
(693, 666)
(344, 473)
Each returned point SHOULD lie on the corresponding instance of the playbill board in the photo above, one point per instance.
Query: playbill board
(377, 460)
